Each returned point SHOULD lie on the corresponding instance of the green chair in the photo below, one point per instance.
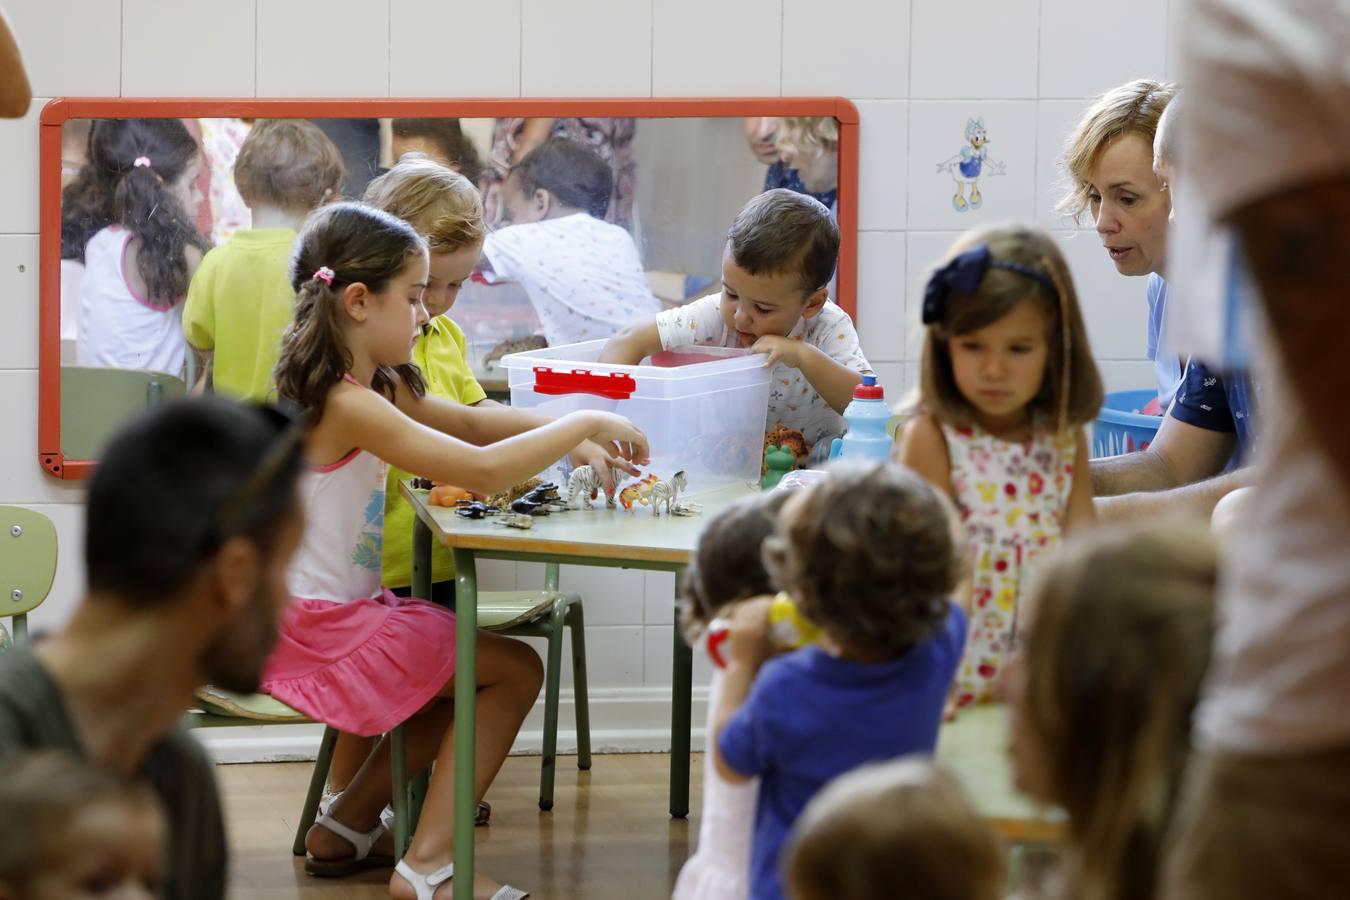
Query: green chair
(218, 709)
(96, 401)
(27, 565)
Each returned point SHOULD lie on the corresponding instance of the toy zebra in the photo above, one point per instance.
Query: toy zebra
(666, 492)
(583, 486)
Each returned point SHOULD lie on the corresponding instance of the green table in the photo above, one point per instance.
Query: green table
(974, 748)
(601, 537)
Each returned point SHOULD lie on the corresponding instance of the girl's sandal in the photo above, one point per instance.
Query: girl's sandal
(360, 860)
(425, 885)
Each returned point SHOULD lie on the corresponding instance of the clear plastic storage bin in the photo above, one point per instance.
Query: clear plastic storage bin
(703, 410)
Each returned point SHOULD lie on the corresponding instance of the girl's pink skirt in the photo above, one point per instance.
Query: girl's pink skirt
(364, 666)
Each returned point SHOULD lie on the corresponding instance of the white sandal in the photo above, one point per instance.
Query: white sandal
(425, 885)
(361, 858)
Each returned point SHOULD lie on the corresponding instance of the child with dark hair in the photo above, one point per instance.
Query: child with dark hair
(440, 139)
(85, 833)
(240, 300)
(776, 270)
(352, 654)
(867, 556)
(583, 275)
(128, 218)
(727, 571)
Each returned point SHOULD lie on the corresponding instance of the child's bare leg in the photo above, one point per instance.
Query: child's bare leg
(351, 751)
(370, 788)
(509, 678)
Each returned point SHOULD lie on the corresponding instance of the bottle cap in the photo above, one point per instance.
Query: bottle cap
(869, 389)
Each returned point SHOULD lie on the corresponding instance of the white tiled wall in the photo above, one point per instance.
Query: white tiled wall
(917, 70)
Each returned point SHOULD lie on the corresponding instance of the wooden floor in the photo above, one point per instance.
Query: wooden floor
(617, 841)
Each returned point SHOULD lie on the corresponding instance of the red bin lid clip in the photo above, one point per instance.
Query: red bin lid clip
(613, 385)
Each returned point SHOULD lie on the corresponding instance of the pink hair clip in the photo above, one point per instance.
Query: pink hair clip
(325, 275)
(142, 161)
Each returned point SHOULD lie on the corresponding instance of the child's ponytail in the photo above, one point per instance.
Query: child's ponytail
(143, 205)
(313, 357)
(341, 244)
(131, 163)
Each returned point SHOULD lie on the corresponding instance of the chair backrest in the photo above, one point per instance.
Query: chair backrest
(27, 559)
(96, 401)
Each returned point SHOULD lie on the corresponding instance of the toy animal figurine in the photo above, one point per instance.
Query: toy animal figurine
(516, 520)
(666, 492)
(583, 487)
(513, 345)
(778, 461)
(448, 495)
(475, 509)
(638, 492)
(967, 166)
(545, 493)
(685, 508)
(527, 507)
(503, 498)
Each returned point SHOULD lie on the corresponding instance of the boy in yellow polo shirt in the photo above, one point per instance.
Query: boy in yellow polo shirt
(240, 299)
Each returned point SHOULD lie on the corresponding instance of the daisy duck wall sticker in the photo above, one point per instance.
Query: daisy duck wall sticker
(969, 165)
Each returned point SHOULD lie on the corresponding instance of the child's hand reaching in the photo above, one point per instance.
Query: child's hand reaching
(604, 460)
(785, 350)
(748, 638)
(624, 439)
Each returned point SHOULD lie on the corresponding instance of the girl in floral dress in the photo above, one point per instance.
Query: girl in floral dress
(1008, 382)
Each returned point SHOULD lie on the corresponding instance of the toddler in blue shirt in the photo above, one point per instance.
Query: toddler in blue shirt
(868, 557)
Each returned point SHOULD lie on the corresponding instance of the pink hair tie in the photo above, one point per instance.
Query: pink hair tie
(142, 161)
(325, 275)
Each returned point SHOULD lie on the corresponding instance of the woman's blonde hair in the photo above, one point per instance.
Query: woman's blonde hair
(439, 203)
(1132, 108)
(901, 828)
(1071, 393)
(798, 132)
(1118, 647)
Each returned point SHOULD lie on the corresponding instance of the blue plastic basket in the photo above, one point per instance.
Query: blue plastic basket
(1120, 427)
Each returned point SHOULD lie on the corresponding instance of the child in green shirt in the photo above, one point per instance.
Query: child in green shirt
(240, 300)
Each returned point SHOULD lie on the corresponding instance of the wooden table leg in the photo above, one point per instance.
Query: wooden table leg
(682, 686)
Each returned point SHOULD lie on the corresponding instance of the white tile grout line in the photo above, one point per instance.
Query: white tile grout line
(520, 49)
(389, 48)
(909, 131)
(651, 48)
(255, 48)
(121, 42)
(782, 36)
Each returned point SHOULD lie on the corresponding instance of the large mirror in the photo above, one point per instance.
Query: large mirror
(630, 199)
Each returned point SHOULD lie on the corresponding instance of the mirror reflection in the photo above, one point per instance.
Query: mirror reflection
(176, 233)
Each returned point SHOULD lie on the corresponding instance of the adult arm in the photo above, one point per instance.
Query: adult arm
(1181, 454)
(1192, 500)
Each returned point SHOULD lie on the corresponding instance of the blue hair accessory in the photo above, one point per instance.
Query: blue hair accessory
(962, 275)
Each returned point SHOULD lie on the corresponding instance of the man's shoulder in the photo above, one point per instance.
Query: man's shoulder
(32, 713)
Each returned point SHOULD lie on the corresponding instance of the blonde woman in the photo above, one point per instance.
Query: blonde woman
(808, 158)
